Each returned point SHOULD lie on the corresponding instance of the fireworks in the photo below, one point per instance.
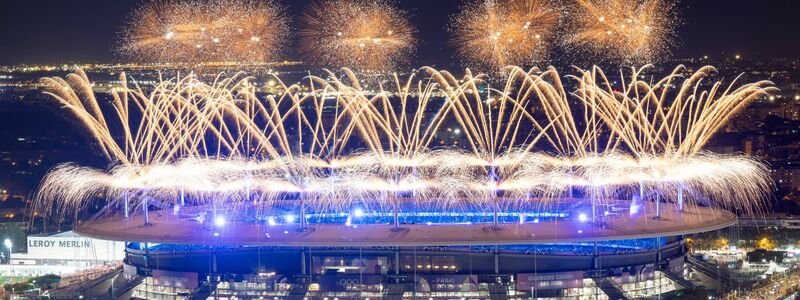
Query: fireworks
(223, 144)
(359, 34)
(629, 31)
(670, 116)
(498, 33)
(202, 32)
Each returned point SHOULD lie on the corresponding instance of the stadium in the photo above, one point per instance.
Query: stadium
(443, 188)
(545, 255)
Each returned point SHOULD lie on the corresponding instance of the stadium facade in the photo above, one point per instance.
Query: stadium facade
(558, 254)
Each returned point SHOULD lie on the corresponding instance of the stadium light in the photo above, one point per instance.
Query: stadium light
(220, 221)
(289, 219)
(634, 209)
(9, 245)
(583, 218)
(358, 212)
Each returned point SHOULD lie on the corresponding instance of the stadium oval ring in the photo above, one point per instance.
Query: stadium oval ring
(162, 229)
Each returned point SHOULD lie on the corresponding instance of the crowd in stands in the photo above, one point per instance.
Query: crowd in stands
(587, 248)
(75, 282)
(178, 248)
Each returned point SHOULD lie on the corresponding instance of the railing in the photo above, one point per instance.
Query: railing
(714, 271)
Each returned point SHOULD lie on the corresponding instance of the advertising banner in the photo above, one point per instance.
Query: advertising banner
(71, 246)
(185, 280)
(543, 281)
(345, 283)
(447, 283)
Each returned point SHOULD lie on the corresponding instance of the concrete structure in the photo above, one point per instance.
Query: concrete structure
(627, 255)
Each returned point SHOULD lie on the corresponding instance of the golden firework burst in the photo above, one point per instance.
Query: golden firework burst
(363, 35)
(208, 31)
(626, 31)
(495, 33)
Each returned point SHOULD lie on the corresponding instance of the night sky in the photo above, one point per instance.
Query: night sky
(44, 31)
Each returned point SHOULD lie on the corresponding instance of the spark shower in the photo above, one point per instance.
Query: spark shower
(330, 143)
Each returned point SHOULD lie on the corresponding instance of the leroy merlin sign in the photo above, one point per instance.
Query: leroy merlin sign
(61, 243)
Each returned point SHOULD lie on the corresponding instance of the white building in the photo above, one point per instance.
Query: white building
(63, 253)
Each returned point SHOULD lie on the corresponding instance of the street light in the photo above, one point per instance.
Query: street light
(8, 244)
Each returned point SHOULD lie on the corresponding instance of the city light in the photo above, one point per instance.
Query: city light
(765, 243)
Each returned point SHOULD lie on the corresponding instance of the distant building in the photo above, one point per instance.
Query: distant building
(63, 253)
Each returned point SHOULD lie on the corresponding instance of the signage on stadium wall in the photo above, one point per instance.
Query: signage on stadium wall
(72, 246)
(544, 281)
(345, 283)
(185, 280)
(447, 283)
(256, 278)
